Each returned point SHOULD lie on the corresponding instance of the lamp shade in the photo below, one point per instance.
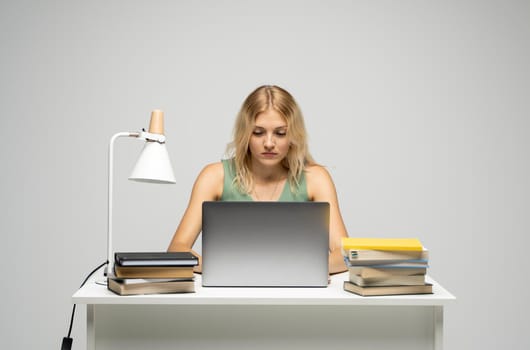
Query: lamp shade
(153, 165)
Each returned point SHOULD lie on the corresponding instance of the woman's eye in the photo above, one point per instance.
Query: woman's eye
(281, 133)
(257, 132)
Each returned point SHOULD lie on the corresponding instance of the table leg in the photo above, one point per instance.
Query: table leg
(438, 327)
(90, 328)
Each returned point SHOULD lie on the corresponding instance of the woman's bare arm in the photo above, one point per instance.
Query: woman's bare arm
(207, 187)
(320, 188)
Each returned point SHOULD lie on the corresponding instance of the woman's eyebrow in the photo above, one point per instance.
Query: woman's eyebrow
(276, 128)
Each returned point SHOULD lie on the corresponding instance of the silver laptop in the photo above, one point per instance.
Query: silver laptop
(265, 244)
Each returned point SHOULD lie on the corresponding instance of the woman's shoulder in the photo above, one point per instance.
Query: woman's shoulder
(319, 182)
(212, 170)
(210, 180)
(212, 173)
(315, 172)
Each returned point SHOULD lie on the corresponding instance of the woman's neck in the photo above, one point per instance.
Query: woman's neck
(264, 174)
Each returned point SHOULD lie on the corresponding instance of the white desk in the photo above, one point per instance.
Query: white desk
(263, 318)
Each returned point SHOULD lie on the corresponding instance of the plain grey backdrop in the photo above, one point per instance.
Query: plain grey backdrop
(419, 109)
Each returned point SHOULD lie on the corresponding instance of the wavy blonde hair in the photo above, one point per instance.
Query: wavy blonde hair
(260, 100)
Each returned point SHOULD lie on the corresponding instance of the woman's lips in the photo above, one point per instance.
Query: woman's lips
(269, 154)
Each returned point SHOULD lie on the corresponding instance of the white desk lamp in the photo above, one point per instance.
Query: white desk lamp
(152, 166)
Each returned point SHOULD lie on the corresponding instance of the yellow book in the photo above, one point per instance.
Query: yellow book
(411, 244)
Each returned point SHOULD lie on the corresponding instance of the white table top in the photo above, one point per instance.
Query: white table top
(94, 293)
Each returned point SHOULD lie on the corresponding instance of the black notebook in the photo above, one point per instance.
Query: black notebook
(156, 259)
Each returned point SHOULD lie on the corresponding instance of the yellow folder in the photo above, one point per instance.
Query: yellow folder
(381, 243)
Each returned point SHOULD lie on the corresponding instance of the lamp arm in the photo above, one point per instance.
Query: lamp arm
(148, 136)
(110, 258)
(142, 135)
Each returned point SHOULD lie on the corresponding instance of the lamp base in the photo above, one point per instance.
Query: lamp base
(103, 281)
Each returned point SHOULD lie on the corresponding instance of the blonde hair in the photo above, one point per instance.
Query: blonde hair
(260, 100)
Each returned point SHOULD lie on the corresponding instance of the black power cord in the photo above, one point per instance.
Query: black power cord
(67, 341)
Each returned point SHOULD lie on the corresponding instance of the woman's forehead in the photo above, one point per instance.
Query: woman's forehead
(270, 118)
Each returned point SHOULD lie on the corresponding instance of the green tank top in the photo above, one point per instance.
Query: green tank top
(231, 193)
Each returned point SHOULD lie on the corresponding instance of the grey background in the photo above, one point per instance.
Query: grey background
(419, 110)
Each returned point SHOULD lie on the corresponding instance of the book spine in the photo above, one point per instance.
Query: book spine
(361, 254)
(370, 272)
(412, 263)
(382, 244)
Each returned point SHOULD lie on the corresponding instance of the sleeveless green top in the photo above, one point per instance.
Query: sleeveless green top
(231, 193)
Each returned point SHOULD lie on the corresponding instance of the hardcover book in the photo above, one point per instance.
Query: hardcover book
(387, 290)
(152, 286)
(153, 271)
(419, 263)
(381, 272)
(156, 259)
(413, 280)
(369, 254)
(382, 243)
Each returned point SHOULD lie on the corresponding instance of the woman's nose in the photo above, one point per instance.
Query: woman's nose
(269, 141)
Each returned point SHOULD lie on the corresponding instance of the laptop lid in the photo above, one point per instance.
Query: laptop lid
(265, 244)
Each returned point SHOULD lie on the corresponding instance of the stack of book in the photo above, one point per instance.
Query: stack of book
(385, 266)
(153, 273)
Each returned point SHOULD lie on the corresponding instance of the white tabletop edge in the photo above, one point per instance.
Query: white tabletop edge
(94, 294)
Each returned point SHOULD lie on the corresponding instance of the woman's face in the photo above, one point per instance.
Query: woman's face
(269, 142)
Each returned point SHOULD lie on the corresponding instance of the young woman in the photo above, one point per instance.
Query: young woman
(270, 161)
